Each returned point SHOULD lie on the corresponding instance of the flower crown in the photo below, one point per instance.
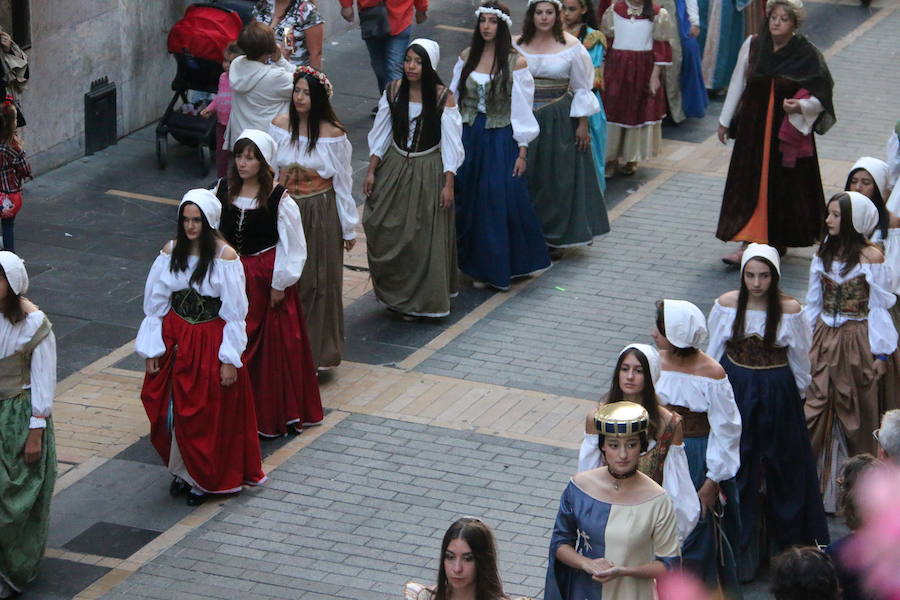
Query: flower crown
(558, 3)
(494, 11)
(320, 77)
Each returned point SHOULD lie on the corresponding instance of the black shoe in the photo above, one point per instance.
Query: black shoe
(196, 499)
(178, 487)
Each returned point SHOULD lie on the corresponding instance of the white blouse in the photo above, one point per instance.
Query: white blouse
(676, 479)
(452, 153)
(810, 108)
(793, 333)
(331, 159)
(715, 398)
(43, 363)
(573, 63)
(882, 283)
(524, 124)
(225, 280)
(891, 253)
(290, 250)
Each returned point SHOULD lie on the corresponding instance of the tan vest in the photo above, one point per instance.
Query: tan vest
(15, 369)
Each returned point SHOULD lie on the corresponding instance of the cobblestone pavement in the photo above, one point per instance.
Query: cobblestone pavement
(478, 415)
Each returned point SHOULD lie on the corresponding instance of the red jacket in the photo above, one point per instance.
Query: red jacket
(400, 12)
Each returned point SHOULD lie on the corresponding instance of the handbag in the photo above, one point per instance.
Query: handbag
(373, 22)
(10, 204)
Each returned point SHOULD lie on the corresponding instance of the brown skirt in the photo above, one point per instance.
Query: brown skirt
(321, 285)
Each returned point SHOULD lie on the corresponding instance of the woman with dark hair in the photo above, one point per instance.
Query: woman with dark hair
(415, 148)
(762, 339)
(498, 233)
(28, 451)
(633, 93)
(579, 20)
(468, 566)
(695, 385)
(802, 573)
(563, 182)
(616, 526)
(262, 222)
(196, 393)
(636, 372)
(314, 164)
(847, 306)
(780, 95)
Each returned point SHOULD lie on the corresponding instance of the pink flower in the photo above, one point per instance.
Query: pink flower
(679, 585)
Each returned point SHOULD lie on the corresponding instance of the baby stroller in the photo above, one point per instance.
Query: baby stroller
(196, 41)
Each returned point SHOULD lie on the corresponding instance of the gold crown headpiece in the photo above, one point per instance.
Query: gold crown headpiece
(621, 419)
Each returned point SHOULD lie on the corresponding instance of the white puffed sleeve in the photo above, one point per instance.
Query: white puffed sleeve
(737, 84)
(893, 161)
(524, 124)
(233, 293)
(892, 256)
(452, 152)
(882, 333)
(799, 342)
(719, 324)
(338, 156)
(693, 12)
(290, 251)
(678, 484)
(813, 307)
(454, 80)
(157, 298)
(810, 109)
(380, 134)
(581, 82)
(43, 376)
(589, 455)
(723, 456)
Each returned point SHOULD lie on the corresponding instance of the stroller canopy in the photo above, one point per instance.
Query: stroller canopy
(204, 31)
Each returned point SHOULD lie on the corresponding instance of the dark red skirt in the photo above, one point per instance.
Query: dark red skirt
(215, 426)
(278, 355)
(627, 98)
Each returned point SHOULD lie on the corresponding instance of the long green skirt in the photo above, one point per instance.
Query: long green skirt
(25, 493)
(562, 181)
(410, 239)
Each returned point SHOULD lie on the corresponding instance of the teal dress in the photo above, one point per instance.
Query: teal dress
(595, 43)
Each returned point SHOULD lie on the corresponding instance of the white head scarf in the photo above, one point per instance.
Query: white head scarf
(878, 169)
(207, 202)
(652, 356)
(864, 214)
(684, 322)
(264, 142)
(16, 276)
(431, 49)
(755, 250)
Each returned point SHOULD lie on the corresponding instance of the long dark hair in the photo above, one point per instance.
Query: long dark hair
(588, 19)
(502, 48)
(206, 246)
(265, 176)
(884, 217)
(320, 109)
(8, 122)
(773, 306)
(661, 326)
(481, 541)
(648, 395)
(400, 109)
(12, 304)
(848, 243)
(529, 30)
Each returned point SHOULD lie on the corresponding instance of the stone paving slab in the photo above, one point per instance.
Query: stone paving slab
(362, 510)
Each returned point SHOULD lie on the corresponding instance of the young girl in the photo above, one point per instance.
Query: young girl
(221, 106)
(762, 340)
(14, 170)
(415, 148)
(683, 80)
(850, 292)
(498, 233)
(633, 95)
(196, 393)
(580, 21)
(262, 222)
(314, 163)
(28, 449)
(562, 180)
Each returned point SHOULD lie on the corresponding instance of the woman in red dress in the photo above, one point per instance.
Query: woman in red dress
(196, 393)
(262, 222)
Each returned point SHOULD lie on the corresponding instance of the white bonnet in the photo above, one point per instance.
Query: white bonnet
(878, 169)
(769, 253)
(207, 202)
(267, 146)
(684, 323)
(431, 48)
(863, 212)
(16, 276)
(652, 356)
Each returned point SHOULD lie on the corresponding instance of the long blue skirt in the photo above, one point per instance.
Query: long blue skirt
(775, 449)
(694, 98)
(708, 552)
(498, 233)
